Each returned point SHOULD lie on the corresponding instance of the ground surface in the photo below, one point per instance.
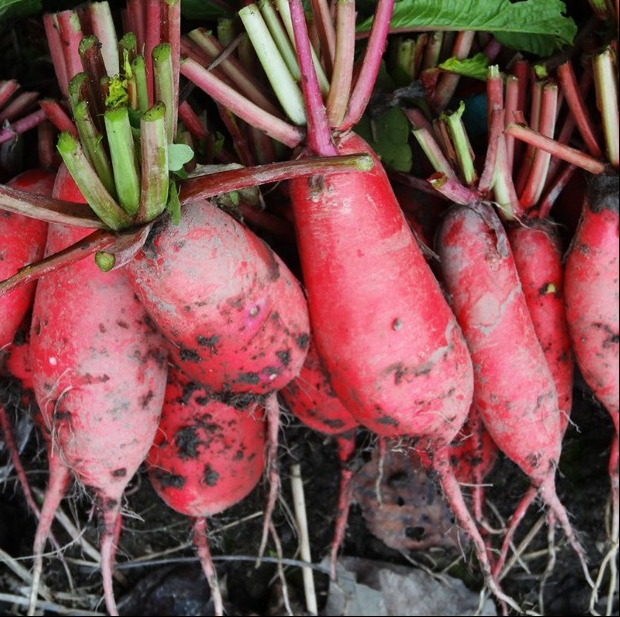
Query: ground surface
(159, 574)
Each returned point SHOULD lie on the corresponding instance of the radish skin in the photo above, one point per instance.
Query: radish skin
(233, 313)
(514, 388)
(99, 373)
(390, 342)
(22, 241)
(206, 457)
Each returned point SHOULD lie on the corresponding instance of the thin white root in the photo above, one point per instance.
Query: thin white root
(299, 504)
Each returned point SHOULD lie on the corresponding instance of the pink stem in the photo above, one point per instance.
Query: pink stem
(18, 106)
(21, 126)
(576, 104)
(152, 39)
(319, 135)
(56, 51)
(280, 130)
(449, 81)
(58, 116)
(562, 151)
(452, 189)
(554, 189)
(371, 62)
(70, 35)
(7, 88)
(327, 33)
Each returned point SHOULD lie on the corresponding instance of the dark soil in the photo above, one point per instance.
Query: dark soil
(161, 575)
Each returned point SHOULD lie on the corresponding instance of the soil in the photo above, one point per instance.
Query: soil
(159, 573)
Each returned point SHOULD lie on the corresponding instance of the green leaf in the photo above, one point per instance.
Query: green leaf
(203, 10)
(174, 205)
(178, 155)
(14, 9)
(388, 136)
(534, 26)
(476, 67)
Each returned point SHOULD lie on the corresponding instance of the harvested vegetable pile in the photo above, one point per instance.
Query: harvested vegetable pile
(309, 308)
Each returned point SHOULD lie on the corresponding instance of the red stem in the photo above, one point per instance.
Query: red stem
(319, 138)
(562, 151)
(327, 34)
(18, 106)
(56, 114)
(7, 88)
(152, 36)
(56, 51)
(370, 64)
(577, 107)
(70, 35)
(22, 125)
(554, 189)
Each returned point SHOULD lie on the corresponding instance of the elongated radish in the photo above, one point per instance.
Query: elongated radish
(591, 292)
(537, 252)
(390, 342)
(311, 398)
(22, 241)
(99, 371)
(234, 314)
(515, 391)
(206, 457)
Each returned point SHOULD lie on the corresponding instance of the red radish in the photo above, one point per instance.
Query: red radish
(99, 373)
(311, 398)
(22, 241)
(206, 457)
(390, 342)
(234, 314)
(514, 388)
(591, 292)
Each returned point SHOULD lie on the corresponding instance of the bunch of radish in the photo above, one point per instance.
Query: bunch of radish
(161, 318)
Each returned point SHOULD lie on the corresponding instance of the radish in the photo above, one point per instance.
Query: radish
(99, 371)
(311, 398)
(206, 457)
(22, 241)
(514, 388)
(233, 313)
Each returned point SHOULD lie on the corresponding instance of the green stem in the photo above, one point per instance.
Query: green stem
(279, 76)
(164, 85)
(433, 152)
(123, 155)
(606, 83)
(280, 37)
(138, 67)
(90, 185)
(94, 146)
(154, 148)
(464, 152)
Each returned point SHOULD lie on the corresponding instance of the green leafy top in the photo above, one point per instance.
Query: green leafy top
(533, 26)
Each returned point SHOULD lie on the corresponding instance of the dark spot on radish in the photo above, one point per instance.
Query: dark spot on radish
(210, 476)
(533, 460)
(202, 400)
(238, 455)
(121, 472)
(397, 324)
(302, 341)
(122, 324)
(110, 504)
(400, 501)
(248, 378)
(189, 355)
(179, 244)
(208, 341)
(102, 328)
(332, 423)
(61, 415)
(187, 308)
(167, 479)
(387, 421)
(612, 337)
(149, 250)
(37, 327)
(284, 356)
(415, 533)
(187, 442)
(148, 397)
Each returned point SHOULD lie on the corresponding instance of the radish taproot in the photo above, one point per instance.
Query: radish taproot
(22, 241)
(206, 457)
(514, 388)
(99, 373)
(233, 313)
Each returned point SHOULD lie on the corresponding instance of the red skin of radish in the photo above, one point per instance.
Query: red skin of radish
(99, 373)
(390, 342)
(22, 241)
(591, 292)
(514, 388)
(537, 251)
(235, 316)
(207, 455)
(311, 398)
